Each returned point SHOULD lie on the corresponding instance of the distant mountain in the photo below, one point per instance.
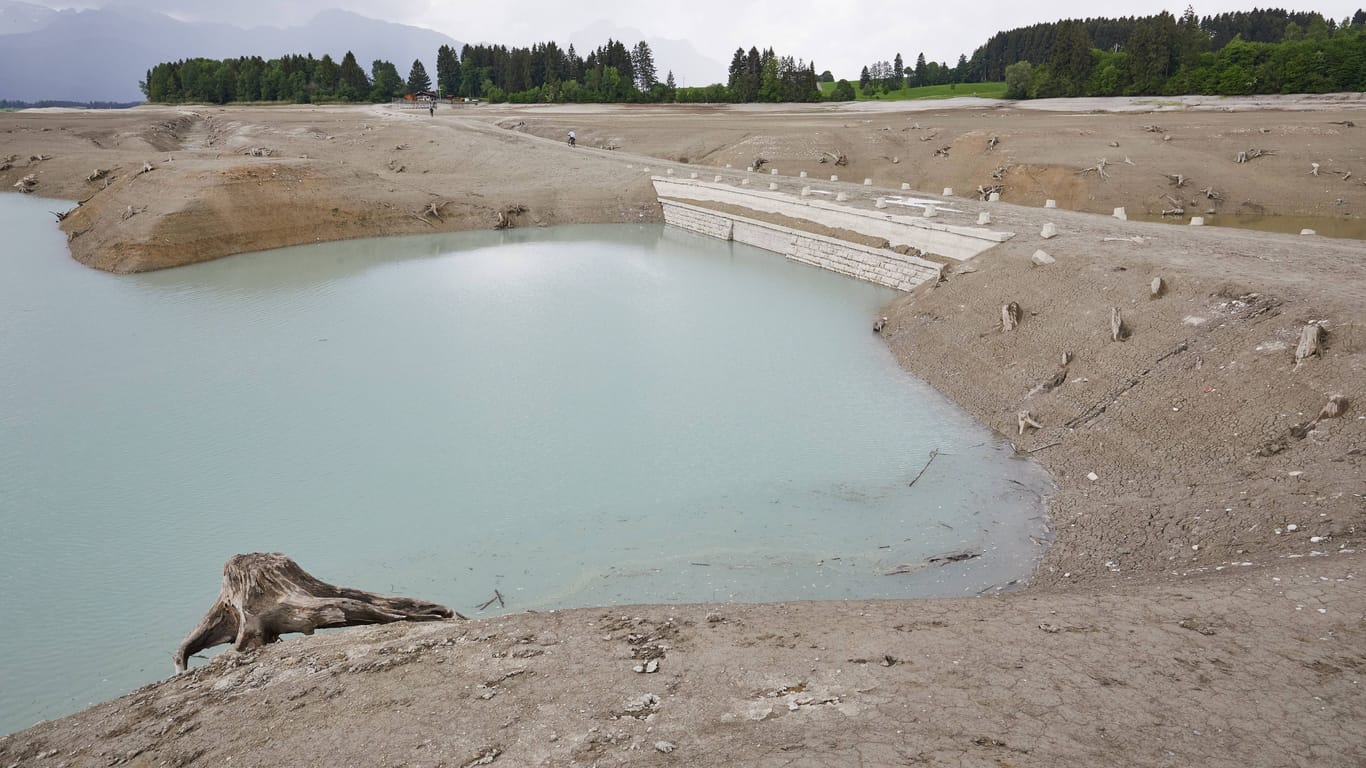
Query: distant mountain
(100, 55)
(690, 67)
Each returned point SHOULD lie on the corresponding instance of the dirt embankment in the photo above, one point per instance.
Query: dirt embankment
(1202, 603)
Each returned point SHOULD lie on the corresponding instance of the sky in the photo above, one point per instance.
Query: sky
(839, 35)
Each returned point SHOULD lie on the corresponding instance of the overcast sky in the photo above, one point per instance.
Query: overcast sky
(839, 35)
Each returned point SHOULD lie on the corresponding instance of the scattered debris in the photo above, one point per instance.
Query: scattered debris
(665, 746)
(1024, 419)
(506, 215)
(840, 159)
(485, 757)
(984, 193)
(943, 151)
(992, 142)
(759, 163)
(1314, 170)
(27, 183)
(97, 174)
(261, 151)
(879, 324)
(497, 598)
(132, 211)
(1154, 128)
(1176, 179)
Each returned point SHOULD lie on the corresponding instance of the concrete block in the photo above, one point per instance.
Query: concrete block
(842, 197)
(773, 186)
(717, 179)
(1042, 259)
(948, 191)
(749, 169)
(880, 204)
(670, 171)
(834, 178)
(1050, 203)
(744, 182)
(1121, 214)
(692, 175)
(802, 174)
(867, 182)
(806, 191)
(773, 172)
(1308, 232)
(983, 218)
(905, 187)
(728, 165)
(1050, 231)
(1197, 221)
(930, 212)
(994, 198)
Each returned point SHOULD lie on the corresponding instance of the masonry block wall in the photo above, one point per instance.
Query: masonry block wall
(883, 267)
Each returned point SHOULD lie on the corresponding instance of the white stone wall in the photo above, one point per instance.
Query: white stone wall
(883, 267)
(928, 236)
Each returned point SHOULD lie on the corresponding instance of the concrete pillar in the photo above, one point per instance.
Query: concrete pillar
(744, 182)
(749, 169)
(983, 218)
(717, 179)
(1121, 214)
(834, 178)
(773, 172)
(802, 174)
(880, 204)
(670, 171)
(1050, 203)
(1197, 221)
(905, 187)
(806, 191)
(930, 212)
(1308, 232)
(867, 182)
(1049, 232)
(842, 197)
(995, 197)
(773, 186)
(692, 175)
(948, 191)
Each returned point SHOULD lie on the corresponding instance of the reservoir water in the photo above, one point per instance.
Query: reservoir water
(572, 416)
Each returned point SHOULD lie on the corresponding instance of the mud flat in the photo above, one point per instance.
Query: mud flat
(1202, 603)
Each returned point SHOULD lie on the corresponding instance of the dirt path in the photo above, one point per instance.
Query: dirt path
(1202, 603)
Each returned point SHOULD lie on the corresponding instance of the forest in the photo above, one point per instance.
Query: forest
(1244, 52)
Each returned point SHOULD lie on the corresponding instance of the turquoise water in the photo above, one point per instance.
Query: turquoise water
(572, 416)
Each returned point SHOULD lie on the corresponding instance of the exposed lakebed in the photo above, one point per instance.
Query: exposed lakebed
(572, 416)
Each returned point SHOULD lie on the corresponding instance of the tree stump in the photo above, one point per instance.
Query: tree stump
(1159, 288)
(1010, 317)
(1311, 340)
(265, 596)
(1118, 330)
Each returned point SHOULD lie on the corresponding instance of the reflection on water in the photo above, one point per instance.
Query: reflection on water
(576, 416)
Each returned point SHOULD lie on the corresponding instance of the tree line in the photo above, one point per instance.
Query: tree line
(1259, 51)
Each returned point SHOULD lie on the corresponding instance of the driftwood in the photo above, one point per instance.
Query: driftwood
(840, 159)
(265, 596)
(1311, 341)
(1010, 317)
(879, 324)
(933, 455)
(1314, 170)
(1253, 154)
(505, 216)
(999, 173)
(1098, 169)
(984, 193)
(1154, 128)
(1118, 330)
(992, 142)
(759, 163)
(27, 183)
(1177, 179)
(942, 151)
(1024, 419)
(1211, 194)
(97, 174)
(131, 211)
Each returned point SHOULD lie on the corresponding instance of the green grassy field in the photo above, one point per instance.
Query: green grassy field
(982, 90)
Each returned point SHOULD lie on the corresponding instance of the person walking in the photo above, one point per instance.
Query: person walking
(431, 108)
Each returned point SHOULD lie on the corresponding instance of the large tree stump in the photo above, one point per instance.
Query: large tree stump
(1311, 344)
(1010, 316)
(265, 596)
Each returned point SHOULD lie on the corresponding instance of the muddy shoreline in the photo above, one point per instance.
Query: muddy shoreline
(1176, 619)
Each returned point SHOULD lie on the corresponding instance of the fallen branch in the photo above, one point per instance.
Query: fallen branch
(1118, 330)
(992, 142)
(1176, 179)
(1024, 419)
(265, 596)
(923, 469)
(942, 151)
(1253, 154)
(840, 159)
(497, 598)
(1098, 169)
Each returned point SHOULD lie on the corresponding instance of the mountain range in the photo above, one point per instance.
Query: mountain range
(102, 54)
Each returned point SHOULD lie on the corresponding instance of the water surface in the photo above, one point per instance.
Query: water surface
(576, 416)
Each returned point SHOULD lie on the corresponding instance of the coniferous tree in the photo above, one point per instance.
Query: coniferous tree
(385, 79)
(643, 60)
(447, 71)
(898, 72)
(353, 85)
(418, 80)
